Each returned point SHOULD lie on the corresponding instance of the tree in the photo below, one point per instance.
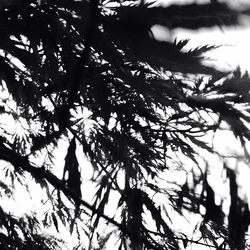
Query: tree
(91, 74)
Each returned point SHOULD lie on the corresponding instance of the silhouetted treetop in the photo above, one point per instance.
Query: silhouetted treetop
(90, 78)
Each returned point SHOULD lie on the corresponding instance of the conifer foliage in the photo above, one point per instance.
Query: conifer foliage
(91, 74)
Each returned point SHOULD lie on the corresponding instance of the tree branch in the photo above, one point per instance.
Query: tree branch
(22, 163)
(183, 239)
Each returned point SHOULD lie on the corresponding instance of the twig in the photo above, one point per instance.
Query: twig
(183, 239)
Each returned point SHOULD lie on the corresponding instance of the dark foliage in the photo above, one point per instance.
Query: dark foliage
(91, 74)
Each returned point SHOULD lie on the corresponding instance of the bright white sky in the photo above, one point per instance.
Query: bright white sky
(235, 43)
(236, 39)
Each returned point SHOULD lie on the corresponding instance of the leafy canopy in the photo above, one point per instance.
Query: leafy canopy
(92, 75)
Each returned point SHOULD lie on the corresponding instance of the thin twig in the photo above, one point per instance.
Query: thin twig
(183, 239)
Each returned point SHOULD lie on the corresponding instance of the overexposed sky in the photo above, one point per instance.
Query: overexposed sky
(234, 42)
(235, 45)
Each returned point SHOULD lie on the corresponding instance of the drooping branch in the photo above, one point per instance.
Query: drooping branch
(21, 163)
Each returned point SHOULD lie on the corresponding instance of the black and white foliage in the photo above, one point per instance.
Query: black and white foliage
(92, 74)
